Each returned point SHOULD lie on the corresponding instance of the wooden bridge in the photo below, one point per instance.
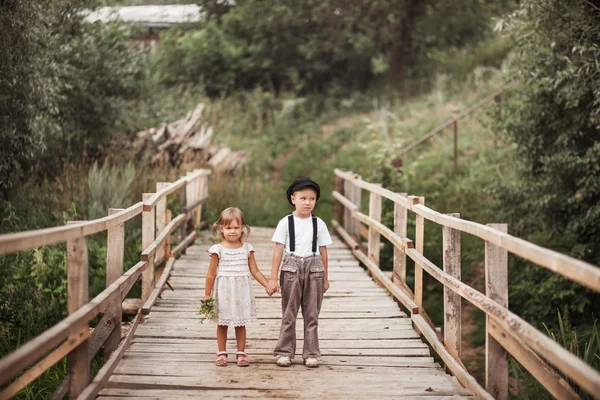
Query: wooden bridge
(373, 328)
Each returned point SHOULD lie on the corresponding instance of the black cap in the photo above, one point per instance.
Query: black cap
(302, 183)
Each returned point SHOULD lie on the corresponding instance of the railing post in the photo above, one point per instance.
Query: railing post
(199, 195)
(182, 205)
(419, 245)
(115, 246)
(148, 231)
(78, 296)
(374, 239)
(455, 131)
(355, 224)
(168, 239)
(452, 306)
(348, 193)
(496, 288)
(339, 208)
(190, 198)
(400, 226)
(161, 218)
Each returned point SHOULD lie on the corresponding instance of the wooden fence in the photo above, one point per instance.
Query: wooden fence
(453, 122)
(72, 336)
(505, 331)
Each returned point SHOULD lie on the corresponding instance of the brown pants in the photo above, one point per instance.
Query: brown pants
(301, 280)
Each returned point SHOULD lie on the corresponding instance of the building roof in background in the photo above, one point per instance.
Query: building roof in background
(150, 16)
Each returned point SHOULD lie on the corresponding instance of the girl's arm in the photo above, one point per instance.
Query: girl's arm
(210, 276)
(259, 276)
(323, 252)
(277, 256)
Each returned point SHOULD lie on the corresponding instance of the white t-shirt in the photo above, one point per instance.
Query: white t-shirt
(303, 230)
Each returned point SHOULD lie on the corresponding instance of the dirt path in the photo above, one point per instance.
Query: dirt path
(326, 131)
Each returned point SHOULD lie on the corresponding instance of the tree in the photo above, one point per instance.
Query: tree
(554, 118)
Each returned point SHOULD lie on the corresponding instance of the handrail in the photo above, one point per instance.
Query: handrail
(15, 242)
(576, 270)
(513, 332)
(455, 119)
(72, 334)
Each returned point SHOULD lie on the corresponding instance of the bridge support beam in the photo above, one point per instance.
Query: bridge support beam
(496, 288)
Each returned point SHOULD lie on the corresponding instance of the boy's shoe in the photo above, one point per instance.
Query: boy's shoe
(284, 361)
(311, 363)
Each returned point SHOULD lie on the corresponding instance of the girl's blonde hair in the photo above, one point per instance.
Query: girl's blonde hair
(227, 216)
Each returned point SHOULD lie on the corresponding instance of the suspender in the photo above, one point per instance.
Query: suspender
(292, 233)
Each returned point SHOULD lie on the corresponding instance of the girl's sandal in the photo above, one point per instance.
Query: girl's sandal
(242, 359)
(221, 359)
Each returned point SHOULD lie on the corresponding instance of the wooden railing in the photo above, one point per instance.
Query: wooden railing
(505, 331)
(495, 97)
(71, 337)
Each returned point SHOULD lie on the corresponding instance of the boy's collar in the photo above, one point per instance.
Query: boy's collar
(294, 214)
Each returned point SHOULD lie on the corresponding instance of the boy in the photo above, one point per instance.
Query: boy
(304, 275)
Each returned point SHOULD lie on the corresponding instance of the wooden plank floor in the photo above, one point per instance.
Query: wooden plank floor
(369, 347)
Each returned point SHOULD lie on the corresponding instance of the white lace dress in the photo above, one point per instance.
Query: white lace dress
(232, 291)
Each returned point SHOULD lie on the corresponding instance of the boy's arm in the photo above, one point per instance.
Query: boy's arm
(277, 256)
(323, 252)
(210, 276)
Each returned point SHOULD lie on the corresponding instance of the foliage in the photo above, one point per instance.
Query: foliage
(554, 118)
(584, 342)
(61, 85)
(109, 187)
(324, 46)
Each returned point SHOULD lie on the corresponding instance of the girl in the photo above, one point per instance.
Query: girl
(231, 263)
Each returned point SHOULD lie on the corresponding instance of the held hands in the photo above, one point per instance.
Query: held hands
(272, 287)
(206, 297)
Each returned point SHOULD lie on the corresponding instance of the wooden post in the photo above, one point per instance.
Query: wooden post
(182, 204)
(190, 197)
(348, 193)
(161, 217)
(115, 246)
(452, 306)
(455, 130)
(78, 296)
(374, 239)
(400, 227)
(202, 181)
(339, 208)
(419, 245)
(148, 231)
(496, 288)
(356, 199)
(168, 239)
(498, 100)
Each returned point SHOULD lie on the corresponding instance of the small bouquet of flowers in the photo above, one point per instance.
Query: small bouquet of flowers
(207, 310)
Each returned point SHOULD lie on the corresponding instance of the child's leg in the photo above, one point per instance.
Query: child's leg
(291, 294)
(312, 298)
(222, 337)
(240, 338)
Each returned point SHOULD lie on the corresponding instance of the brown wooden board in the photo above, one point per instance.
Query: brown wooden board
(368, 344)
